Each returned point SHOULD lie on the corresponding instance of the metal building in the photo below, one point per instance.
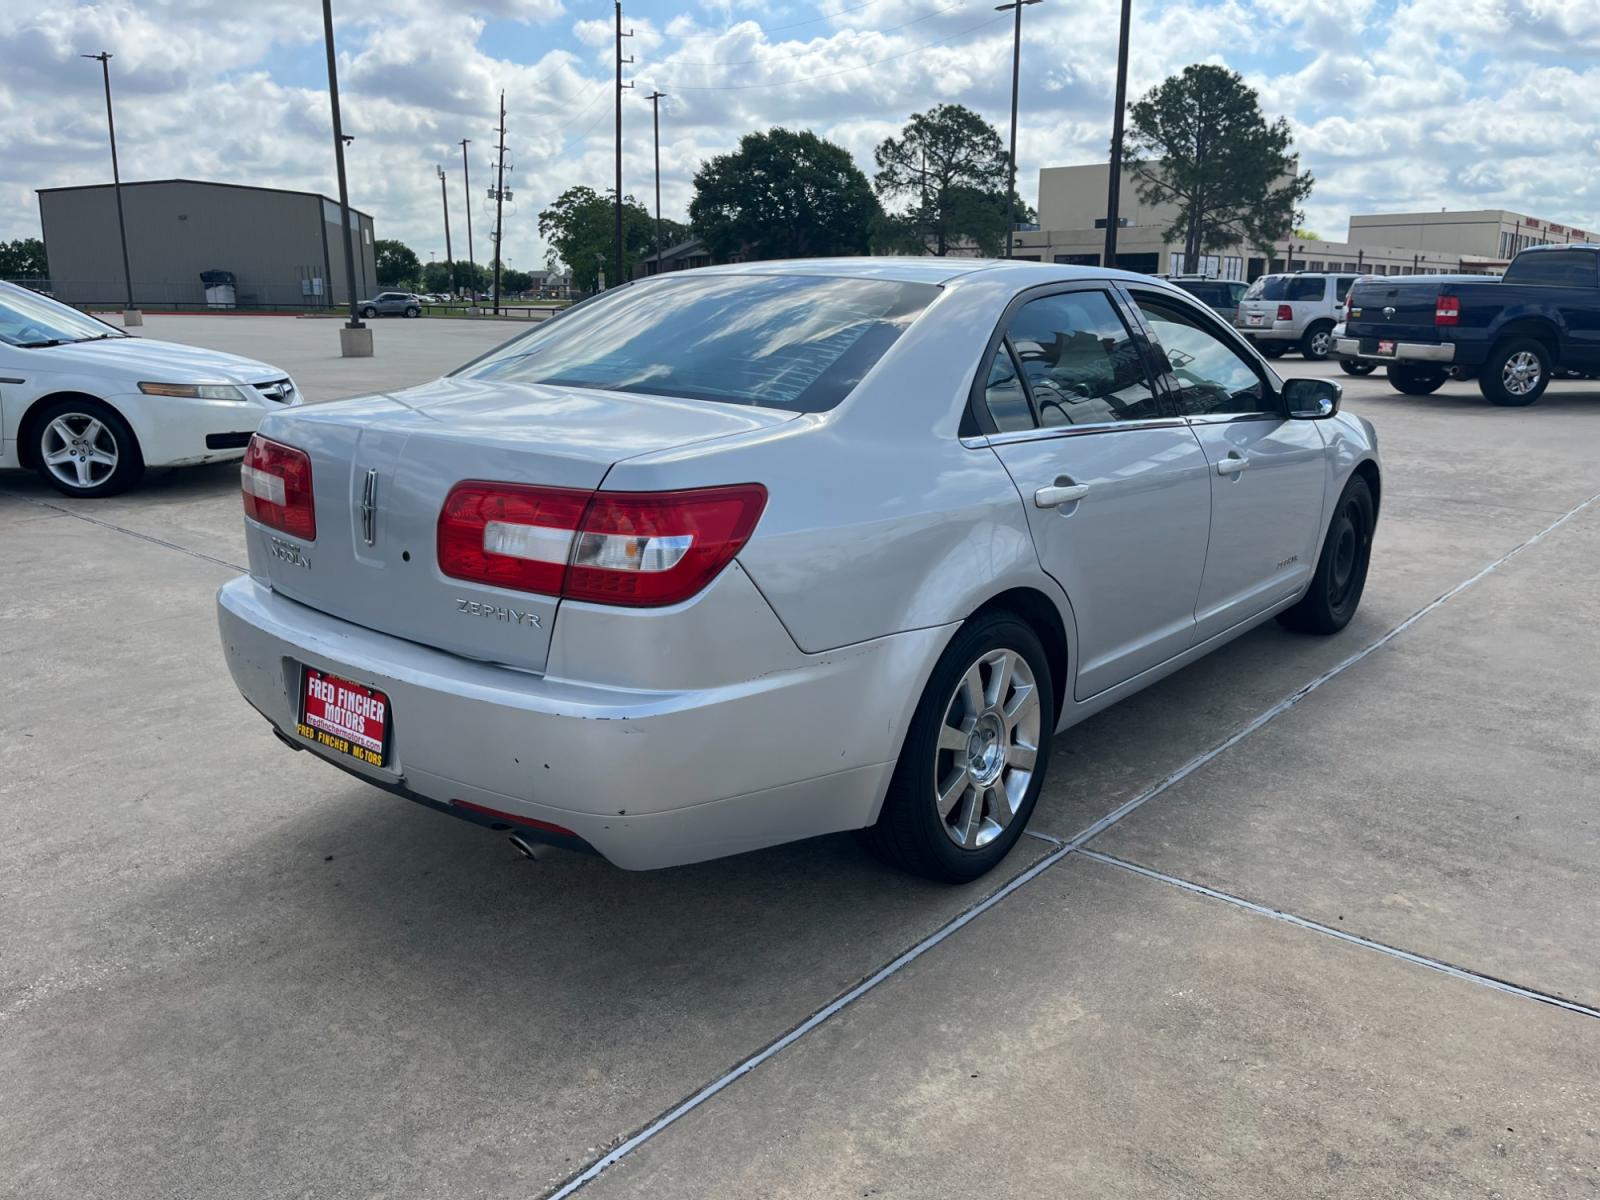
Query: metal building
(282, 247)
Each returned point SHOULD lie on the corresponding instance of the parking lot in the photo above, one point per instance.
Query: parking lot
(1310, 917)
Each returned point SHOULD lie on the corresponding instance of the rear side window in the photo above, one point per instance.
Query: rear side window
(795, 342)
(1210, 293)
(1080, 362)
(1306, 287)
(1343, 286)
(1555, 268)
(1003, 394)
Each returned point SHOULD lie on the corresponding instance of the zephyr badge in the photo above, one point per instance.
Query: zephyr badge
(369, 508)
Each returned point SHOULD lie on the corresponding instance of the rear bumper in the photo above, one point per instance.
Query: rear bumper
(647, 778)
(1423, 352)
(1270, 333)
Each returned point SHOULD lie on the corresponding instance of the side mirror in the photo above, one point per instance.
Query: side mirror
(1312, 399)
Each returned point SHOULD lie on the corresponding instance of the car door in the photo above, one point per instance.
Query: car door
(1267, 472)
(1114, 484)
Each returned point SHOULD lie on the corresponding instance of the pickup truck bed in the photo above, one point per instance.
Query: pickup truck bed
(1513, 334)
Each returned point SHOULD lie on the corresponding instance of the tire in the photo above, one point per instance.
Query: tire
(369, 312)
(413, 311)
(1341, 574)
(958, 840)
(1317, 342)
(1416, 381)
(1516, 373)
(1354, 366)
(94, 450)
(1272, 349)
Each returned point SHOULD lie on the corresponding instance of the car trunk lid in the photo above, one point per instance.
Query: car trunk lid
(383, 465)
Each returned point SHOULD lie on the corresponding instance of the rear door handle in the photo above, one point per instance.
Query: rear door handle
(1232, 465)
(1051, 497)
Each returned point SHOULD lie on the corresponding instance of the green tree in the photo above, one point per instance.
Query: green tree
(397, 264)
(783, 194)
(436, 277)
(513, 280)
(580, 227)
(951, 166)
(23, 259)
(472, 277)
(1199, 141)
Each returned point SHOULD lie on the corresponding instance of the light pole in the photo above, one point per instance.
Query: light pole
(355, 339)
(466, 192)
(620, 88)
(655, 120)
(130, 314)
(1016, 67)
(449, 258)
(1114, 193)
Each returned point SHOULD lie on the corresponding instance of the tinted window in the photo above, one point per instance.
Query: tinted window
(1557, 268)
(1306, 287)
(1008, 403)
(1211, 293)
(1081, 363)
(1342, 286)
(1212, 376)
(782, 341)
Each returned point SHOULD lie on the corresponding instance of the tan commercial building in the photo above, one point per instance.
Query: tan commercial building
(1071, 229)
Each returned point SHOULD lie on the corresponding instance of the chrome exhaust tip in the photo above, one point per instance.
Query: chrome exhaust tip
(529, 850)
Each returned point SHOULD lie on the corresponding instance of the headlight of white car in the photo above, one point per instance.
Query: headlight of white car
(195, 391)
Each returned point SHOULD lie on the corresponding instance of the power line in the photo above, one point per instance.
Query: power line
(744, 62)
(741, 87)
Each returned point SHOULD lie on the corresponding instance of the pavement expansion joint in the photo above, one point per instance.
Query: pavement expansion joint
(133, 533)
(1075, 845)
(1278, 914)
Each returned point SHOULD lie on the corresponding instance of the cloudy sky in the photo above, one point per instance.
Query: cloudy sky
(1396, 104)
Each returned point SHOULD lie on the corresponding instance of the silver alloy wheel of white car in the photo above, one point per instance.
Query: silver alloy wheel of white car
(988, 742)
(80, 450)
(1321, 343)
(1522, 373)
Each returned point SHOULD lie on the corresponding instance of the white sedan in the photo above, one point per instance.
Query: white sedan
(90, 407)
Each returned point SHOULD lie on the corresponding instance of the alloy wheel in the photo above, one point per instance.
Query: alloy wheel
(79, 450)
(988, 744)
(1522, 373)
(1321, 344)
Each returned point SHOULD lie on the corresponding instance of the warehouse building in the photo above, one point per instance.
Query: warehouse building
(282, 248)
(1071, 229)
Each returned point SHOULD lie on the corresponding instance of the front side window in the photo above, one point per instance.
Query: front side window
(795, 342)
(1080, 361)
(1212, 376)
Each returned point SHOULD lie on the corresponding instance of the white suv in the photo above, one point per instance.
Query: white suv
(1287, 312)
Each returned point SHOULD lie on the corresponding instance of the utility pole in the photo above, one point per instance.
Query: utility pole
(444, 199)
(130, 315)
(499, 202)
(466, 192)
(655, 120)
(620, 88)
(1016, 68)
(355, 339)
(1114, 194)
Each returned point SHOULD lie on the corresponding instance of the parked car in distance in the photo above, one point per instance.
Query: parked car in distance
(1279, 313)
(746, 554)
(1223, 295)
(1513, 334)
(392, 304)
(90, 407)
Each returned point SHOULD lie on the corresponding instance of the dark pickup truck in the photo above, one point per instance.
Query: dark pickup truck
(1511, 334)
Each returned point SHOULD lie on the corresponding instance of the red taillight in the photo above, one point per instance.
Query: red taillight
(276, 482)
(643, 549)
(1285, 313)
(509, 534)
(1447, 311)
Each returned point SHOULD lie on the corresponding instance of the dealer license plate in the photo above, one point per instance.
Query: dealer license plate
(1385, 347)
(343, 716)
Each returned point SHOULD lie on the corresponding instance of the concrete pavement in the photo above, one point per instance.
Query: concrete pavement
(230, 970)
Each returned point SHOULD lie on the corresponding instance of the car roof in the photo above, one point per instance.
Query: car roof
(925, 269)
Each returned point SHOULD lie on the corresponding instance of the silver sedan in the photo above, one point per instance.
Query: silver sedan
(754, 553)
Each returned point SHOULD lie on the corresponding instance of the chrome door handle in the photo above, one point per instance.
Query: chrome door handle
(1050, 497)
(1232, 465)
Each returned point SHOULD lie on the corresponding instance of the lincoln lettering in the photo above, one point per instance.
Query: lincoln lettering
(495, 612)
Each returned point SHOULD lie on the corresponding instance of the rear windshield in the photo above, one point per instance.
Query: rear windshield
(780, 341)
(1212, 293)
(1288, 287)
